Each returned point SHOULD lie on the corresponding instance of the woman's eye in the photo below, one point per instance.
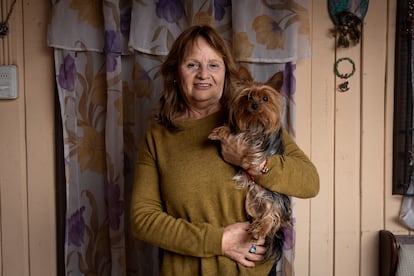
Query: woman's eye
(193, 66)
(265, 99)
(213, 66)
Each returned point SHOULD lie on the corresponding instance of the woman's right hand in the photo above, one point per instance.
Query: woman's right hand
(233, 150)
(236, 242)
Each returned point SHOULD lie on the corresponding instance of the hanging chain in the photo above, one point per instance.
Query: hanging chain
(4, 25)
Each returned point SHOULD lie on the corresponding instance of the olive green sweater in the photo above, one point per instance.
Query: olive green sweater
(184, 196)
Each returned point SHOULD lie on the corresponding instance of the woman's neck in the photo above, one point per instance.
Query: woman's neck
(198, 113)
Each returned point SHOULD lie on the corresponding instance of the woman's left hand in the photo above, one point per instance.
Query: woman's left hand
(236, 244)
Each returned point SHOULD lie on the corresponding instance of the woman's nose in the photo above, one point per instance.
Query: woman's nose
(202, 72)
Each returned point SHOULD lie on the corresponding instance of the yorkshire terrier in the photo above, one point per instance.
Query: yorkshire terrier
(254, 118)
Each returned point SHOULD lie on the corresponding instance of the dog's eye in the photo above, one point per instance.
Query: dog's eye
(265, 99)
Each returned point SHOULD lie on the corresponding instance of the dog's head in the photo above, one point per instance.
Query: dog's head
(256, 107)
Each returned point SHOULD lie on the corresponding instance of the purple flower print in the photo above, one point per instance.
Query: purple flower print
(219, 10)
(276, 27)
(289, 80)
(112, 50)
(126, 22)
(290, 237)
(170, 10)
(112, 42)
(115, 206)
(111, 62)
(76, 228)
(144, 76)
(67, 73)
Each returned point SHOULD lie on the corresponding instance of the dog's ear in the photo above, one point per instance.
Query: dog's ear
(244, 75)
(276, 81)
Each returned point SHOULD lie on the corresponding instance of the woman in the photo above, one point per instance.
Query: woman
(184, 199)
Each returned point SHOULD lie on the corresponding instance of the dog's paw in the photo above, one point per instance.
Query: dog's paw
(243, 179)
(219, 133)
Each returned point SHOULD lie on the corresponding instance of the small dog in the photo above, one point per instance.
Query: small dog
(254, 118)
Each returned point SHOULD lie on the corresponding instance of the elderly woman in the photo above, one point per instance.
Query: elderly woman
(184, 199)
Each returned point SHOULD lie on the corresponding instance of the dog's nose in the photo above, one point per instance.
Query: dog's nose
(255, 106)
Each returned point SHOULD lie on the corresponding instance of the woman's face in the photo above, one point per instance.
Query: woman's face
(201, 76)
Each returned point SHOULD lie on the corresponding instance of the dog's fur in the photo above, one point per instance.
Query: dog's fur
(255, 112)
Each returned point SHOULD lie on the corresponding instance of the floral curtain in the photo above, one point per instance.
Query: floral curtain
(107, 59)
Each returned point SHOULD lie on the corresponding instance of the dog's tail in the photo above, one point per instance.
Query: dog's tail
(275, 240)
(275, 249)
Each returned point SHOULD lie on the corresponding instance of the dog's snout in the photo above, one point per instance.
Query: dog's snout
(255, 106)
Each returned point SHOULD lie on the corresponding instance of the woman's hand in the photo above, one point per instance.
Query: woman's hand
(236, 243)
(233, 151)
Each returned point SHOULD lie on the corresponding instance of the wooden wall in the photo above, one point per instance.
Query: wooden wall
(27, 201)
(348, 136)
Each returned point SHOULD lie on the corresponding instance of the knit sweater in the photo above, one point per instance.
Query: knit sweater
(184, 196)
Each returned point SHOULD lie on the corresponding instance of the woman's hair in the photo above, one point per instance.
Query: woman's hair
(171, 103)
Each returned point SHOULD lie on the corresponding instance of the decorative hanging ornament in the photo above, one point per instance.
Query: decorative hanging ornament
(348, 16)
(4, 25)
(343, 87)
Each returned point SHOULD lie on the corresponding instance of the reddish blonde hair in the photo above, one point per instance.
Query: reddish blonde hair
(171, 103)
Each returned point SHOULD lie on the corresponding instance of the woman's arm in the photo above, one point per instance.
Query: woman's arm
(152, 224)
(292, 173)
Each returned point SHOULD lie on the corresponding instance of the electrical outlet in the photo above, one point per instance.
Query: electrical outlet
(8, 82)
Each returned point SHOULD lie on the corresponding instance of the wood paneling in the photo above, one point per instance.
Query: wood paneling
(13, 166)
(321, 257)
(39, 85)
(350, 142)
(27, 217)
(373, 103)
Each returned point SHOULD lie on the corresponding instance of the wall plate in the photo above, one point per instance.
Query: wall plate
(8, 82)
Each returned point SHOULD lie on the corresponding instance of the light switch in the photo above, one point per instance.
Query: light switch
(8, 82)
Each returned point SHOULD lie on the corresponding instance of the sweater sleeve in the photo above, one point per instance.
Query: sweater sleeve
(292, 173)
(152, 224)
